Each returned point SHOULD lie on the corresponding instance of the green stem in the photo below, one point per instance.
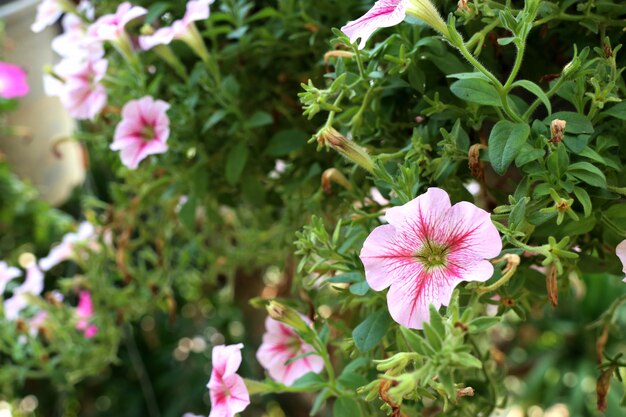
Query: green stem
(516, 66)
(549, 94)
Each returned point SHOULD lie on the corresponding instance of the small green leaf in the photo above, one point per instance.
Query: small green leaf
(259, 119)
(346, 407)
(236, 162)
(286, 141)
(505, 142)
(188, 213)
(466, 360)
(588, 173)
(536, 90)
(359, 288)
(320, 400)
(347, 278)
(618, 111)
(352, 380)
(433, 337)
(416, 342)
(583, 198)
(310, 380)
(370, 332)
(480, 324)
(476, 91)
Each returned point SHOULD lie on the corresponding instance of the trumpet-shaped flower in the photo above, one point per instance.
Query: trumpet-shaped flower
(81, 93)
(196, 10)
(428, 247)
(48, 12)
(620, 251)
(13, 81)
(110, 27)
(143, 131)
(33, 284)
(7, 274)
(387, 13)
(70, 245)
(229, 394)
(281, 344)
(84, 311)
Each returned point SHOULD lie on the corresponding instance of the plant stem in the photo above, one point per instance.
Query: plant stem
(140, 370)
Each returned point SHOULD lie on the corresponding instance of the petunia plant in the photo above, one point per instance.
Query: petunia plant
(455, 246)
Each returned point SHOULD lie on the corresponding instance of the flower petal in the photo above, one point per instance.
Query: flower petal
(226, 359)
(384, 13)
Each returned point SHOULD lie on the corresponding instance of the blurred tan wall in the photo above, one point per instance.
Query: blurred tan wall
(41, 120)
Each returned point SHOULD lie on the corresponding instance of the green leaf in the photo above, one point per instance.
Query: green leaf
(346, 407)
(433, 337)
(259, 119)
(352, 380)
(476, 91)
(576, 123)
(416, 342)
(187, 213)
(347, 278)
(310, 380)
(236, 162)
(480, 324)
(583, 198)
(213, 120)
(505, 142)
(286, 141)
(469, 76)
(320, 400)
(155, 10)
(359, 288)
(436, 321)
(518, 212)
(588, 173)
(370, 332)
(618, 111)
(536, 90)
(466, 360)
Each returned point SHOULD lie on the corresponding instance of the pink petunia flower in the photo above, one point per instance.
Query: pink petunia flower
(7, 274)
(33, 284)
(48, 12)
(387, 13)
(196, 10)
(85, 236)
(84, 312)
(110, 27)
(74, 42)
(228, 391)
(428, 248)
(620, 251)
(81, 92)
(281, 344)
(143, 131)
(13, 81)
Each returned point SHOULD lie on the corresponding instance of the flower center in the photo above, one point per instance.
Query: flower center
(294, 345)
(433, 255)
(147, 133)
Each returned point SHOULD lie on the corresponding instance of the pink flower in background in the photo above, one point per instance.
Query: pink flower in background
(229, 394)
(280, 344)
(620, 251)
(196, 10)
(74, 41)
(110, 27)
(67, 249)
(428, 248)
(48, 12)
(82, 95)
(384, 13)
(7, 274)
(37, 322)
(33, 284)
(84, 311)
(13, 81)
(143, 131)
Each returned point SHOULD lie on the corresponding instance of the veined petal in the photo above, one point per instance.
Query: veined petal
(384, 13)
(226, 359)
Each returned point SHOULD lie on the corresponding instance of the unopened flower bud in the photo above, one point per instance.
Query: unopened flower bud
(427, 12)
(603, 386)
(557, 130)
(147, 30)
(462, 5)
(334, 175)
(329, 137)
(476, 166)
(287, 315)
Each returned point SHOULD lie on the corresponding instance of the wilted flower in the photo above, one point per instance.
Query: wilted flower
(620, 251)
(143, 131)
(229, 394)
(282, 344)
(387, 13)
(7, 274)
(180, 29)
(48, 12)
(33, 284)
(427, 248)
(84, 311)
(13, 81)
(67, 249)
(110, 27)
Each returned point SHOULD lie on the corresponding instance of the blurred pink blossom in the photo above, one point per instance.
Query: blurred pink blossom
(7, 274)
(37, 322)
(428, 248)
(33, 284)
(196, 10)
(281, 344)
(143, 131)
(228, 391)
(84, 311)
(48, 12)
(110, 27)
(13, 81)
(74, 41)
(383, 14)
(85, 236)
(620, 251)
